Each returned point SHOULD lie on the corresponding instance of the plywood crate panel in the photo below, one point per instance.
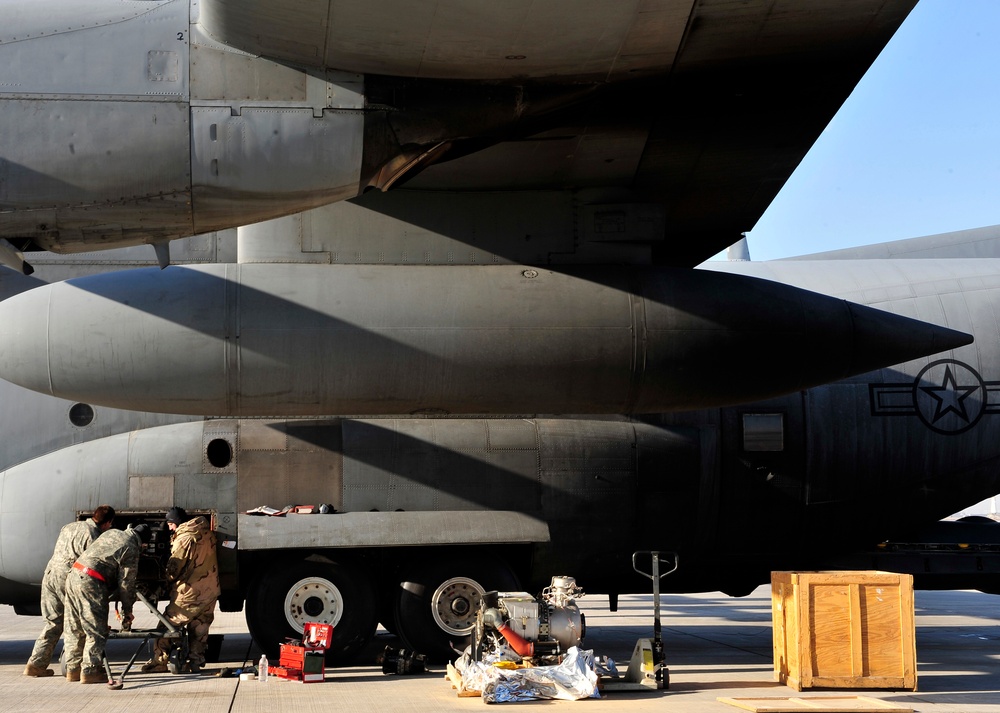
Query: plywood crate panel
(844, 630)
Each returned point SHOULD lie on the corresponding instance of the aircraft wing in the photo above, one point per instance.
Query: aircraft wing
(711, 104)
(688, 114)
(546, 39)
(459, 39)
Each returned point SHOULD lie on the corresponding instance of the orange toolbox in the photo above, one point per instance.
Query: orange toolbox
(305, 660)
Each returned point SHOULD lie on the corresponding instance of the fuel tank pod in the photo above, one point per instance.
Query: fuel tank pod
(277, 340)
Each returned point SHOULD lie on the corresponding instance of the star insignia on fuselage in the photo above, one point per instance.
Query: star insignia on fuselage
(950, 397)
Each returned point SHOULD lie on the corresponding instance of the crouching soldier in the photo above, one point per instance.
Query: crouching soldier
(193, 573)
(110, 563)
(73, 539)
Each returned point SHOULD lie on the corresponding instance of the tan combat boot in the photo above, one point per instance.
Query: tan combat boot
(37, 671)
(94, 677)
(73, 676)
(154, 666)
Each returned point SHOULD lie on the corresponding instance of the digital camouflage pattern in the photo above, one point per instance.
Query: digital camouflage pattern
(115, 555)
(73, 539)
(193, 572)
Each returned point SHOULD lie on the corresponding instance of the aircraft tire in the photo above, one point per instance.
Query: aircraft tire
(284, 598)
(387, 609)
(437, 600)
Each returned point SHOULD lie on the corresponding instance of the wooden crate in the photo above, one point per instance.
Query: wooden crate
(844, 630)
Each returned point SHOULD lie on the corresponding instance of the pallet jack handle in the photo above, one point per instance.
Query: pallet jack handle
(655, 575)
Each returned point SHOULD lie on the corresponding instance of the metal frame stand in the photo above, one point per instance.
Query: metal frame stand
(170, 632)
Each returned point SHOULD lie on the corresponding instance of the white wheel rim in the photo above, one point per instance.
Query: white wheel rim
(454, 605)
(313, 599)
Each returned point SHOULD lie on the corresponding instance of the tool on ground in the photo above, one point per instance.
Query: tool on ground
(401, 661)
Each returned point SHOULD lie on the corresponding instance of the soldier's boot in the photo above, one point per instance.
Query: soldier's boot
(94, 676)
(154, 666)
(37, 671)
(73, 676)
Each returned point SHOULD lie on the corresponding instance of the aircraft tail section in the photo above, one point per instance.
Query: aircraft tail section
(975, 243)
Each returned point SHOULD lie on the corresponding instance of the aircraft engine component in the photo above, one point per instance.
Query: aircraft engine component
(144, 129)
(128, 124)
(259, 339)
(542, 626)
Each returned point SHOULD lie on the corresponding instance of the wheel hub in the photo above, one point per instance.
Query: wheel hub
(313, 599)
(454, 605)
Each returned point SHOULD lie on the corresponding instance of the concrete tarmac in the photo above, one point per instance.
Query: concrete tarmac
(715, 646)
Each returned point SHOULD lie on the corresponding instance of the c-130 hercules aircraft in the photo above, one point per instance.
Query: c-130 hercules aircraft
(538, 180)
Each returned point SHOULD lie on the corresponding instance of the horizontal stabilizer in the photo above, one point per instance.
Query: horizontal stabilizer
(975, 243)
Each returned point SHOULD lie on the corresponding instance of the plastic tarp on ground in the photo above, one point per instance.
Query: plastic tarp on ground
(571, 680)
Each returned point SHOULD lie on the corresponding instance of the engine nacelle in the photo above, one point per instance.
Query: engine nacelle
(127, 123)
(123, 125)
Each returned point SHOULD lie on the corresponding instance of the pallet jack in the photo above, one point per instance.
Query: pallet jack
(178, 656)
(645, 669)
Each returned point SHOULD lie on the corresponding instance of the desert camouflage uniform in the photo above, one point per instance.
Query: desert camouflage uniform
(193, 571)
(115, 555)
(74, 538)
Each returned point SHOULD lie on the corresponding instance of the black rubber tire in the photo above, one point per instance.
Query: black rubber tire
(322, 592)
(416, 603)
(386, 604)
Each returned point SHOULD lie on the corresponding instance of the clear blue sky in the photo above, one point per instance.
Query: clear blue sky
(914, 151)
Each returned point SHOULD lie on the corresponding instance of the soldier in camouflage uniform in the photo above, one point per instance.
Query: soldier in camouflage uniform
(74, 538)
(193, 572)
(110, 563)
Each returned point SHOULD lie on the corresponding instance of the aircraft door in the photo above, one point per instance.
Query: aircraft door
(762, 477)
(676, 490)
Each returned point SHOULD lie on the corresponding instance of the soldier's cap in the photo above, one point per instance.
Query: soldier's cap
(176, 515)
(143, 531)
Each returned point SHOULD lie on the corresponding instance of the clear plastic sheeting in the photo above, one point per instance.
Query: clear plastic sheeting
(571, 680)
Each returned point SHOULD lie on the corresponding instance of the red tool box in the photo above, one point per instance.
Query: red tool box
(305, 661)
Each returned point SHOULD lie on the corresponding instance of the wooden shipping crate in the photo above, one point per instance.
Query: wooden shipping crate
(844, 630)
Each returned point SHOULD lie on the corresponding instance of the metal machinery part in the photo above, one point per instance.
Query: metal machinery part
(545, 625)
(454, 605)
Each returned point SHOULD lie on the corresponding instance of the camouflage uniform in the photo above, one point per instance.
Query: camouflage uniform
(193, 571)
(74, 538)
(115, 556)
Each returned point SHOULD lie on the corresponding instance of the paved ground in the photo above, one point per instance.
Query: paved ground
(716, 646)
